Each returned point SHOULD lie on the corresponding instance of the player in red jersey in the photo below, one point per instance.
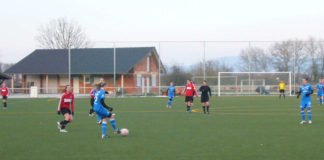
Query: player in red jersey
(189, 91)
(4, 93)
(92, 95)
(66, 108)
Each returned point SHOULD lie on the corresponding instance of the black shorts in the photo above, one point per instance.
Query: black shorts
(92, 102)
(282, 91)
(65, 111)
(204, 99)
(4, 97)
(189, 99)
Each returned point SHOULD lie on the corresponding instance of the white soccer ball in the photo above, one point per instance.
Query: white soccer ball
(124, 132)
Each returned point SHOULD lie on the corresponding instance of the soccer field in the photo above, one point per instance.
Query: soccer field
(238, 128)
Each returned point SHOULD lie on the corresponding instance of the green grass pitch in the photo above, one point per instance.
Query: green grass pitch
(249, 128)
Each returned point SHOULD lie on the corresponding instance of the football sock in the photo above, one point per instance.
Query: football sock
(309, 113)
(207, 109)
(302, 113)
(204, 109)
(284, 96)
(169, 103)
(64, 123)
(188, 108)
(113, 124)
(5, 104)
(91, 111)
(104, 128)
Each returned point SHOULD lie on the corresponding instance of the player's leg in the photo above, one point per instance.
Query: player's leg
(207, 106)
(187, 103)
(91, 112)
(170, 102)
(106, 115)
(203, 106)
(4, 100)
(113, 122)
(322, 98)
(284, 95)
(309, 113)
(67, 119)
(302, 114)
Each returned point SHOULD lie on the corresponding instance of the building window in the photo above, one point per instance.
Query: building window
(87, 79)
(148, 64)
(153, 80)
(139, 80)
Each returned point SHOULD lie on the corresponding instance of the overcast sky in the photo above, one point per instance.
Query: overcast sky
(175, 20)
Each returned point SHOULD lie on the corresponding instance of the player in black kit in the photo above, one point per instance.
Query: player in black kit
(204, 89)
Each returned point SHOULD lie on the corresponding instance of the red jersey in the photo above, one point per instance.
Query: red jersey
(4, 91)
(190, 90)
(66, 101)
(92, 92)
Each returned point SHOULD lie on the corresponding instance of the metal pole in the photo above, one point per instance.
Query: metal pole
(69, 55)
(290, 83)
(204, 60)
(218, 85)
(159, 68)
(114, 68)
(294, 74)
(250, 89)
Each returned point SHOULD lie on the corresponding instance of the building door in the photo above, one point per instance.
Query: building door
(76, 85)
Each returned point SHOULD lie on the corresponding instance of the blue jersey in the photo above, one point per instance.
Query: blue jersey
(320, 87)
(171, 91)
(99, 95)
(305, 93)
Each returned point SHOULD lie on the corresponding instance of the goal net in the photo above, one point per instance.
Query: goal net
(252, 83)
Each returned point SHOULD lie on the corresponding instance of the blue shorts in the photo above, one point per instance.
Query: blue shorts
(320, 94)
(103, 113)
(304, 105)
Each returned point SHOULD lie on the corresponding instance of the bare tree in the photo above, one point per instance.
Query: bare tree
(312, 49)
(212, 68)
(62, 34)
(254, 59)
(321, 57)
(282, 55)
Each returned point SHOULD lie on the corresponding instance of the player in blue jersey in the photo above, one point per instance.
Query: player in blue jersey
(103, 111)
(171, 92)
(305, 92)
(320, 88)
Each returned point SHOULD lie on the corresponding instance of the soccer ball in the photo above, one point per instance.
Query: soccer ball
(124, 132)
(278, 78)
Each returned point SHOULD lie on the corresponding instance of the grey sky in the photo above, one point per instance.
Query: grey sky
(145, 20)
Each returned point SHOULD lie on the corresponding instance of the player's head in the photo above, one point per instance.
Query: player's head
(98, 86)
(102, 80)
(304, 81)
(189, 81)
(68, 89)
(281, 81)
(322, 81)
(3, 84)
(204, 82)
(171, 83)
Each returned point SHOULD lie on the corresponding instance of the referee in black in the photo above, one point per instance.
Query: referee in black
(205, 89)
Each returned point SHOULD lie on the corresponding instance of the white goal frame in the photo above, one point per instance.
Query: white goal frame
(219, 78)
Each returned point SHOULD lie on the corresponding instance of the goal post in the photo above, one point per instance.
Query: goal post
(253, 83)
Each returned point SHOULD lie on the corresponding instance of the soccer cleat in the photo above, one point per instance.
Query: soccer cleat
(303, 122)
(117, 131)
(99, 122)
(63, 131)
(58, 125)
(91, 114)
(104, 136)
(310, 122)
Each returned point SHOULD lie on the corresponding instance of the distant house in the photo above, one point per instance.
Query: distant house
(137, 69)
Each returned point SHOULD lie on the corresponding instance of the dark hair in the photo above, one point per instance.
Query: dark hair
(65, 88)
